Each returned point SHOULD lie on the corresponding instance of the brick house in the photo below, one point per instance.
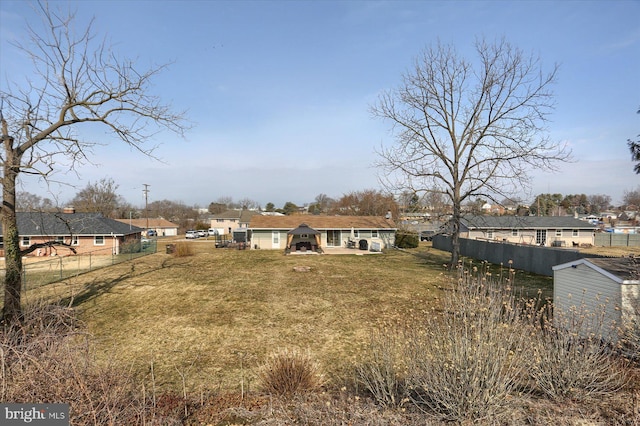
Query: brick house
(84, 232)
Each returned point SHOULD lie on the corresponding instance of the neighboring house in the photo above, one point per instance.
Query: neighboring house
(84, 232)
(162, 227)
(271, 232)
(606, 288)
(226, 222)
(550, 231)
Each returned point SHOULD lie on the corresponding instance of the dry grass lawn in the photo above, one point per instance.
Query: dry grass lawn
(213, 317)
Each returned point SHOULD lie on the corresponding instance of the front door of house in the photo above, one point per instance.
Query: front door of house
(333, 238)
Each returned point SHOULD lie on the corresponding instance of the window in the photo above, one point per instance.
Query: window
(219, 220)
(575, 233)
(75, 241)
(490, 234)
(98, 240)
(59, 240)
(515, 233)
(558, 232)
(374, 233)
(25, 242)
(304, 235)
(356, 233)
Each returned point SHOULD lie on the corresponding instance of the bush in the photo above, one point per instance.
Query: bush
(47, 358)
(465, 363)
(569, 357)
(289, 372)
(407, 239)
(382, 373)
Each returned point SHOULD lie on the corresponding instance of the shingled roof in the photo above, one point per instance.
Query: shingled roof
(321, 222)
(524, 222)
(61, 224)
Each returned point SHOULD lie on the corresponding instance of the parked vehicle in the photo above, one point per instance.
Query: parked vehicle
(212, 232)
(151, 233)
(192, 234)
(427, 235)
(202, 232)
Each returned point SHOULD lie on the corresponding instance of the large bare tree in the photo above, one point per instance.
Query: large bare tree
(469, 128)
(77, 80)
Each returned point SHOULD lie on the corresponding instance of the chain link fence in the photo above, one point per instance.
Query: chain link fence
(38, 271)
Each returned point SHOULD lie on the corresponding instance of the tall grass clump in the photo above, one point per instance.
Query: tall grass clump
(570, 354)
(288, 372)
(183, 249)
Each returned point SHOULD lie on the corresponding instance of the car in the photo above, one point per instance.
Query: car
(212, 232)
(427, 235)
(151, 233)
(192, 234)
(202, 232)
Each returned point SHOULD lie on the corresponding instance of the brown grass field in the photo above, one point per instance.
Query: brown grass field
(203, 324)
(214, 316)
(211, 318)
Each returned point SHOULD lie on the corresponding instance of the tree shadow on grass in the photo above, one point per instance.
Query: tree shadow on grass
(101, 286)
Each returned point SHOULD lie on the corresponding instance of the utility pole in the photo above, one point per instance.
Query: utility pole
(145, 191)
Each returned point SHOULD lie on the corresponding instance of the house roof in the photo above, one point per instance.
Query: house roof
(153, 223)
(321, 222)
(57, 224)
(525, 222)
(623, 270)
(244, 216)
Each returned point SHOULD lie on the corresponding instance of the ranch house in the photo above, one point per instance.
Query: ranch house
(84, 232)
(287, 232)
(549, 231)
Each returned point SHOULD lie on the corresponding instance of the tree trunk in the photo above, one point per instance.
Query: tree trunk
(11, 240)
(455, 235)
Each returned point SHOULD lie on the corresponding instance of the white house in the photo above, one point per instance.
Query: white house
(609, 287)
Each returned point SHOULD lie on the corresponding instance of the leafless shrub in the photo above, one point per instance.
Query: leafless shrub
(570, 357)
(288, 372)
(466, 362)
(383, 370)
(47, 358)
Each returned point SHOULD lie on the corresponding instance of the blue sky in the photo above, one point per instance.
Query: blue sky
(279, 91)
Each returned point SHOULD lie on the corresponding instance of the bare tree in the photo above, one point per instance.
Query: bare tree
(100, 197)
(631, 197)
(599, 202)
(78, 80)
(26, 201)
(369, 202)
(469, 129)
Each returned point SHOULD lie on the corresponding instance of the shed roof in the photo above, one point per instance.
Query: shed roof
(321, 222)
(623, 270)
(524, 222)
(57, 224)
(303, 229)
